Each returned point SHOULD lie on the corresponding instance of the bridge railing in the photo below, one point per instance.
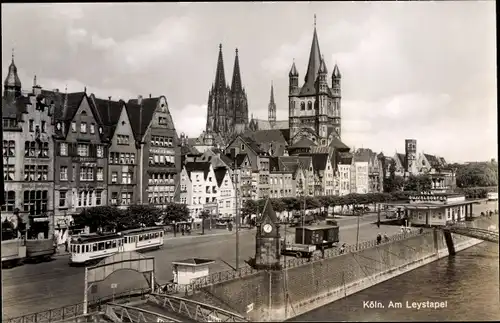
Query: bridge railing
(74, 310)
(223, 276)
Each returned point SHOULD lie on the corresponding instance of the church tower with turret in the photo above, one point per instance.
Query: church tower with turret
(12, 83)
(314, 109)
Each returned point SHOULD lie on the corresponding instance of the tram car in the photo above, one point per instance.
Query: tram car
(90, 248)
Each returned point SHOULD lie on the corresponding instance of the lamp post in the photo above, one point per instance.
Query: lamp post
(237, 217)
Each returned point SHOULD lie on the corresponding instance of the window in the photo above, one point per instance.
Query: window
(132, 158)
(114, 198)
(9, 148)
(126, 175)
(44, 128)
(100, 151)
(122, 140)
(302, 106)
(10, 201)
(162, 120)
(29, 149)
(29, 173)
(114, 177)
(126, 198)
(35, 202)
(86, 173)
(83, 127)
(92, 128)
(73, 126)
(9, 172)
(44, 150)
(31, 125)
(63, 149)
(100, 174)
(73, 173)
(42, 173)
(98, 197)
(83, 150)
(63, 173)
(62, 199)
(309, 105)
(228, 203)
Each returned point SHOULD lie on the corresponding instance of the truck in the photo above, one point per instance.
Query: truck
(310, 238)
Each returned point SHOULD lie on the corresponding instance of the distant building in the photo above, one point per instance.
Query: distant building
(271, 122)
(227, 108)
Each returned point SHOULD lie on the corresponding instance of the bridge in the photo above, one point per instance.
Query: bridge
(477, 233)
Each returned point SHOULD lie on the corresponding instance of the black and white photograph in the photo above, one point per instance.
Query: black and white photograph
(249, 162)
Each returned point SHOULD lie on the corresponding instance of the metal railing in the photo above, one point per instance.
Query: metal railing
(222, 276)
(194, 310)
(71, 311)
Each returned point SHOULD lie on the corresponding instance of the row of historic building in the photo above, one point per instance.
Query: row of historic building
(64, 152)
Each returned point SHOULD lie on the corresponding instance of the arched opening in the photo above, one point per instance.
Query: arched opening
(309, 105)
(302, 106)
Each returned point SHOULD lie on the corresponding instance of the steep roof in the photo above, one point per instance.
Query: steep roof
(362, 155)
(220, 76)
(254, 145)
(339, 145)
(312, 68)
(433, 160)
(269, 212)
(345, 159)
(140, 122)
(12, 78)
(198, 167)
(220, 173)
(240, 158)
(110, 112)
(319, 161)
(401, 158)
(14, 108)
(262, 124)
(304, 143)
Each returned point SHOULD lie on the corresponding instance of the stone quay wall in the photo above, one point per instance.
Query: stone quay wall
(303, 286)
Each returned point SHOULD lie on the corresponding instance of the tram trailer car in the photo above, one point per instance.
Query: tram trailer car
(326, 236)
(17, 251)
(90, 248)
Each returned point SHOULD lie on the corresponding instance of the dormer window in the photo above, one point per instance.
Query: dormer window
(92, 128)
(73, 126)
(242, 147)
(100, 130)
(84, 113)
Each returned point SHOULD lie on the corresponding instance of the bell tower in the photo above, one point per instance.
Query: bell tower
(267, 239)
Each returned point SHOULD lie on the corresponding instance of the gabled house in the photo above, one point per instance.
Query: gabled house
(159, 150)
(281, 182)
(226, 196)
(345, 169)
(122, 152)
(198, 186)
(399, 159)
(80, 156)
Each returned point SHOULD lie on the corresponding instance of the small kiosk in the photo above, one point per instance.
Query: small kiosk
(188, 269)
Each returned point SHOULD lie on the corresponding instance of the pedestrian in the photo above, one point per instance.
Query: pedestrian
(403, 229)
(322, 251)
(182, 230)
(421, 230)
(379, 238)
(66, 245)
(342, 248)
(386, 238)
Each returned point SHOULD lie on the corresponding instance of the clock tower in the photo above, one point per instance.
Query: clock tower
(267, 239)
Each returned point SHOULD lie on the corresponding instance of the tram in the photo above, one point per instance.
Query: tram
(90, 248)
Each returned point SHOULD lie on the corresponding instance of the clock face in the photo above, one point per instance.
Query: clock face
(268, 228)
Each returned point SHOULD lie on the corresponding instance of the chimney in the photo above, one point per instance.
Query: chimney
(139, 99)
(56, 90)
(150, 95)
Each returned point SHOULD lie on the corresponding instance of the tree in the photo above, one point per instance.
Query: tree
(291, 204)
(174, 212)
(418, 183)
(102, 218)
(333, 201)
(143, 215)
(323, 202)
(249, 207)
(312, 203)
(278, 205)
(477, 175)
(393, 183)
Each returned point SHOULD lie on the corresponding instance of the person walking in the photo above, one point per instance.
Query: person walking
(342, 248)
(386, 238)
(379, 238)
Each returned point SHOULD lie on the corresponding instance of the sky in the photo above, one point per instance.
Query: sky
(420, 70)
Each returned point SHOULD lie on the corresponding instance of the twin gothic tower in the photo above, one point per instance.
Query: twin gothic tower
(227, 111)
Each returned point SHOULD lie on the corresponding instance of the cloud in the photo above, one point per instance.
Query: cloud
(71, 11)
(99, 42)
(281, 61)
(190, 120)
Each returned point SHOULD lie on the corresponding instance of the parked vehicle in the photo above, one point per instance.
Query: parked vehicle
(308, 239)
(88, 248)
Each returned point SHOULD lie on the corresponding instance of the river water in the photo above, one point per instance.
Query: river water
(468, 283)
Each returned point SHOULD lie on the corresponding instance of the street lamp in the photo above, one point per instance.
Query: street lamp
(237, 217)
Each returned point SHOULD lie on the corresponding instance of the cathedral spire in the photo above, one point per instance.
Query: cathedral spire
(314, 60)
(272, 106)
(236, 82)
(220, 77)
